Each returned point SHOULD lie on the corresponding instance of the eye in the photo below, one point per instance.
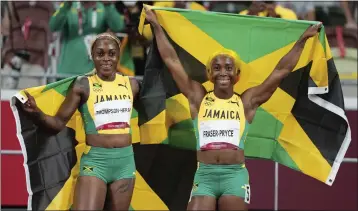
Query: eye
(216, 68)
(112, 53)
(100, 53)
(229, 68)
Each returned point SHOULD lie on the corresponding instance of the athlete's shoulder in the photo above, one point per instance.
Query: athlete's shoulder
(133, 81)
(90, 74)
(81, 85)
(120, 78)
(82, 80)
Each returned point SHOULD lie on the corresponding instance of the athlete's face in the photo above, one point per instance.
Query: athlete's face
(223, 72)
(105, 55)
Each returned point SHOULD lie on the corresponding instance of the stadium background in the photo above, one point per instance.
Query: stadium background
(274, 187)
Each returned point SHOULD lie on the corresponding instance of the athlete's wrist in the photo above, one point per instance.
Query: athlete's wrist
(155, 25)
(39, 115)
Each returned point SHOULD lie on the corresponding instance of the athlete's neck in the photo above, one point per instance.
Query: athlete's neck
(223, 94)
(111, 77)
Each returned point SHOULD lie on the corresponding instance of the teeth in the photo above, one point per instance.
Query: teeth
(224, 81)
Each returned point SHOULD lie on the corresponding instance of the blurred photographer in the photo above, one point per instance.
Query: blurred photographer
(269, 9)
(25, 51)
(134, 46)
(79, 22)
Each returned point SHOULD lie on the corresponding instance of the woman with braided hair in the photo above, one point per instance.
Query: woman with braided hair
(222, 118)
(105, 101)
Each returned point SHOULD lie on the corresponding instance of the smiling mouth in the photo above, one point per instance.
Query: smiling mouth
(106, 66)
(223, 81)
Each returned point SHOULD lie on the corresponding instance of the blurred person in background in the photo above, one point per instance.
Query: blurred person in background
(25, 50)
(353, 5)
(269, 9)
(191, 5)
(4, 22)
(229, 7)
(335, 13)
(305, 10)
(133, 46)
(79, 23)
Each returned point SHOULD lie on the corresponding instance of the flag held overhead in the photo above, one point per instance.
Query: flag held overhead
(303, 126)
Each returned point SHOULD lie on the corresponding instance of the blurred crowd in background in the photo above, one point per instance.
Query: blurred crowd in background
(42, 42)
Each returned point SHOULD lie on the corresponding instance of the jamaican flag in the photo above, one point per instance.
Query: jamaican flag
(52, 161)
(303, 126)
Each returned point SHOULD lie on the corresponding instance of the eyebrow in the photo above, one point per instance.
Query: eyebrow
(111, 49)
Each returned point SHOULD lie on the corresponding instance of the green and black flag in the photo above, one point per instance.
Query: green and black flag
(303, 126)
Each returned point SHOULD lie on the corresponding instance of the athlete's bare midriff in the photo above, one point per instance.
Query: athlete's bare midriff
(221, 156)
(109, 140)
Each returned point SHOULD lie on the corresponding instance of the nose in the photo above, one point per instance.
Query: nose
(106, 57)
(223, 71)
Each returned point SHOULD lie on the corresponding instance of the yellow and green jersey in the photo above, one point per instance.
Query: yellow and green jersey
(109, 106)
(221, 123)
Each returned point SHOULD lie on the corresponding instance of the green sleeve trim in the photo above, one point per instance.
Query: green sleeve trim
(88, 122)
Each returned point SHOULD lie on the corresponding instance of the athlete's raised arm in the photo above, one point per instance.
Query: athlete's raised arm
(193, 90)
(77, 93)
(255, 96)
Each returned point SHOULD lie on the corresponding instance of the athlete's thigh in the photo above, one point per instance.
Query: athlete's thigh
(202, 203)
(235, 189)
(120, 194)
(90, 193)
(228, 202)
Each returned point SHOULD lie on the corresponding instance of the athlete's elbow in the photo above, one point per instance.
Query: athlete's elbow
(58, 125)
(169, 56)
(279, 74)
(171, 63)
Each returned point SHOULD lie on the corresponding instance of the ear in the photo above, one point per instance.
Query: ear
(238, 76)
(208, 75)
(237, 79)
